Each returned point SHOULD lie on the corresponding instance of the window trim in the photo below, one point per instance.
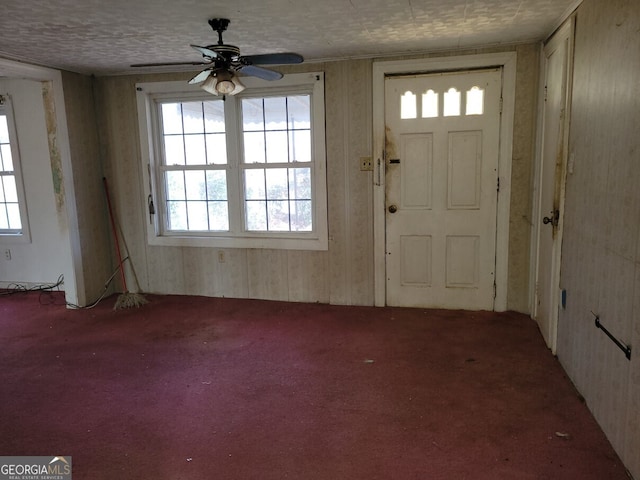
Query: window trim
(147, 95)
(6, 108)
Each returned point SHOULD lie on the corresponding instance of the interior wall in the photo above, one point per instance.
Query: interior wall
(600, 269)
(90, 201)
(45, 257)
(344, 273)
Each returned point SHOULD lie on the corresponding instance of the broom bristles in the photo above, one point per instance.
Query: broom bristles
(129, 300)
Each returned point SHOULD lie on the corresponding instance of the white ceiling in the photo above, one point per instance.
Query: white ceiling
(104, 37)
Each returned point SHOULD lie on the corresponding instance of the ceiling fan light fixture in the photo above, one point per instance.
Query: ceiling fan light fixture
(209, 85)
(222, 82)
(239, 86)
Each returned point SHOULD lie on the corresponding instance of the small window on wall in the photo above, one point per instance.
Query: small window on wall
(452, 103)
(13, 213)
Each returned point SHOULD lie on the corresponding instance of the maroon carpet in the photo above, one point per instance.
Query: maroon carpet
(204, 388)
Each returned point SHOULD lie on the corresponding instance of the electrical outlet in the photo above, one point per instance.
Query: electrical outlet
(366, 164)
(221, 256)
(7, 254)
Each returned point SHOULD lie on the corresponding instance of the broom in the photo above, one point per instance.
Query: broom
(126, 299)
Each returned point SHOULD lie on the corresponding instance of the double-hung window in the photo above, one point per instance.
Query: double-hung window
(242, 171)
(13, 214)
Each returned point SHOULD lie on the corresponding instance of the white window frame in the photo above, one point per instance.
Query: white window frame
(238, 237)
(24, 235)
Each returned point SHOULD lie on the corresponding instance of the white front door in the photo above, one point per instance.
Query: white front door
(551, 183)
(441, 157)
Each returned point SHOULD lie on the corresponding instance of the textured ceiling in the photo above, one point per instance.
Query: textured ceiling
(106, 36)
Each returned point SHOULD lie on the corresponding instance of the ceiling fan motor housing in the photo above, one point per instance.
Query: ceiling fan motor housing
(229, 52)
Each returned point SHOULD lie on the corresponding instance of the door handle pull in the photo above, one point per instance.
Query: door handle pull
(553, 220)
(393, 209)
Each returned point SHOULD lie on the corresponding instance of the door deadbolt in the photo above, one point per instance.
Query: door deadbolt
(393, 209)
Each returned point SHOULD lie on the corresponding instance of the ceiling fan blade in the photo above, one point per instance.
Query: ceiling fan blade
(260, 72)
(207, 52)
(273, 59)
(201, 77)
(168, 64)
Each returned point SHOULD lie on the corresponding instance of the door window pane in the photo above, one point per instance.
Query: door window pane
(429, 104)
(475, 101)
(451, 103)
(408, 107)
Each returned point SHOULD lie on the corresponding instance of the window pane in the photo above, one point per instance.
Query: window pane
(272, 146)
(254, 147)
(10, 191)
(216, 149)
(194, 149)
(299, 111)
(195, 185)
(173, 150)
(300, 183)
(171, 118)
(4, 220)
(192, 118)
(277, 184)
(408, 107)
(13, 211)
(254, 186)
(275, 113)
(278, 215)
(218, 216)
(256, 215)
(4, 129)
(14, 216)
(214, 116)
(277, 147)
(175, 186)
(301, 215)
(2, 197)
(197, 215)
(217, 185)
(252, 114)
(7, 159)
(429, 104)
(300, 145)
(475, 101)
(177, 215)
(451, 103)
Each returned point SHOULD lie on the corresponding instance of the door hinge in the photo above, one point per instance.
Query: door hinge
(501, 103)
(495, 290)
(498, 187)
(545, 93)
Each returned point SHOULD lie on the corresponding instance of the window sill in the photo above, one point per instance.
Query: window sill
(257, 242)
(13, 239)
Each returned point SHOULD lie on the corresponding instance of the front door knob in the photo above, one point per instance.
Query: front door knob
(393, 209)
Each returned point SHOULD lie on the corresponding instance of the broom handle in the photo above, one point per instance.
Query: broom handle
(115, 234)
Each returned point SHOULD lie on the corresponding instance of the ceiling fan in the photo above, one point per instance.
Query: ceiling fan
(224, 62)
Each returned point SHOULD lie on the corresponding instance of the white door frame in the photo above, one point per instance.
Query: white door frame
(507, 61)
